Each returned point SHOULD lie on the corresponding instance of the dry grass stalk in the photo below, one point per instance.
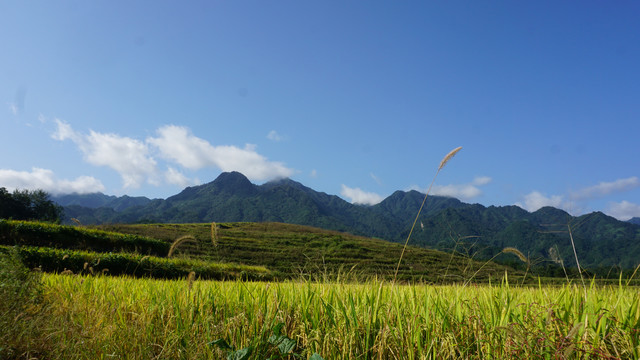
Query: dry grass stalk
(214, 234)
(180, 240)
(76, 221)
(442, 164)
(448, 157)
(516, 252)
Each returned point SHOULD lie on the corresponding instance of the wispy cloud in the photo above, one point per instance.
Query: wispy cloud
(465, 192)
(274, 136)
(13, 108)
(45, 179)
(17, 106)
(606, 188)
(575, 201)
(376, 179)
(358, 196)
(624, 210)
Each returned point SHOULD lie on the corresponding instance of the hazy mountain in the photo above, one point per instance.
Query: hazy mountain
(445, 223)
(97, 200)
(635, 220)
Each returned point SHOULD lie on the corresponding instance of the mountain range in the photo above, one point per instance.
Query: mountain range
(445, 223)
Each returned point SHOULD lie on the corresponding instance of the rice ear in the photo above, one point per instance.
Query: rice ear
(448, 157)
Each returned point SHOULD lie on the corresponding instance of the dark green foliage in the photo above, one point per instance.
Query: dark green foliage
(14, 232)
(83, 262)
(28, 205)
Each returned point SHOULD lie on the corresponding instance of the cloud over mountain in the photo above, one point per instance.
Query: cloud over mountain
(359, 196)
(135, 160)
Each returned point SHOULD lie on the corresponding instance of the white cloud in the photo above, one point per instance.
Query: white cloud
(460, 191)
(481, 180)
(314, 173)
(606, 188)
(536, 200)
(175, 177)
(65, 132)
(358, 196)
(133, 159)
(274, 136)
(177, 144)
(45, 179)
(624, 210)
(129, 157)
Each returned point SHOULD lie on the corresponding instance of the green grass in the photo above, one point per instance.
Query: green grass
(121, 317)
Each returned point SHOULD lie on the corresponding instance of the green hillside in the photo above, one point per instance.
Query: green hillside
(295, 250)
(257, 251)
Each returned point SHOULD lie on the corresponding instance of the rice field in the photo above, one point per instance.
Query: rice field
(100, 317)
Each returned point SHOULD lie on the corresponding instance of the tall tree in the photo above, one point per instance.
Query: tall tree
(28, 205)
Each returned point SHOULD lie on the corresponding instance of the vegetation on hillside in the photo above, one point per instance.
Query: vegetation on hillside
(301, 251)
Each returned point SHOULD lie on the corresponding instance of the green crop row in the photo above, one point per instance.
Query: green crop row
(29, 233)
(85, 262)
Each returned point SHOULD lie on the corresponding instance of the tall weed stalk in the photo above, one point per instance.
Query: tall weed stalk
(444, 161)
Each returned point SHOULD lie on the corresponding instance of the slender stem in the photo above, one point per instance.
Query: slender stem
(573, 245)
(414, 225)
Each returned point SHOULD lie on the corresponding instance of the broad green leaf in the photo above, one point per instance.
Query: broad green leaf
(242, 354)
(287, 345)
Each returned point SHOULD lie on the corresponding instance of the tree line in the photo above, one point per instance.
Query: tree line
(29, 205)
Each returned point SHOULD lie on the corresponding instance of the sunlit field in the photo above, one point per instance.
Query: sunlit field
(119, 317)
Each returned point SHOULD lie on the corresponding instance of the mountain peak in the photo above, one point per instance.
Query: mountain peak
(234, 182)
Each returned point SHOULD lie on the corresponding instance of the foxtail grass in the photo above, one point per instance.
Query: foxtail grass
(179, 241)
(444, 161)
(214, 234)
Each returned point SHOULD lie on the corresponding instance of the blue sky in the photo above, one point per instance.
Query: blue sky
(356, 99)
